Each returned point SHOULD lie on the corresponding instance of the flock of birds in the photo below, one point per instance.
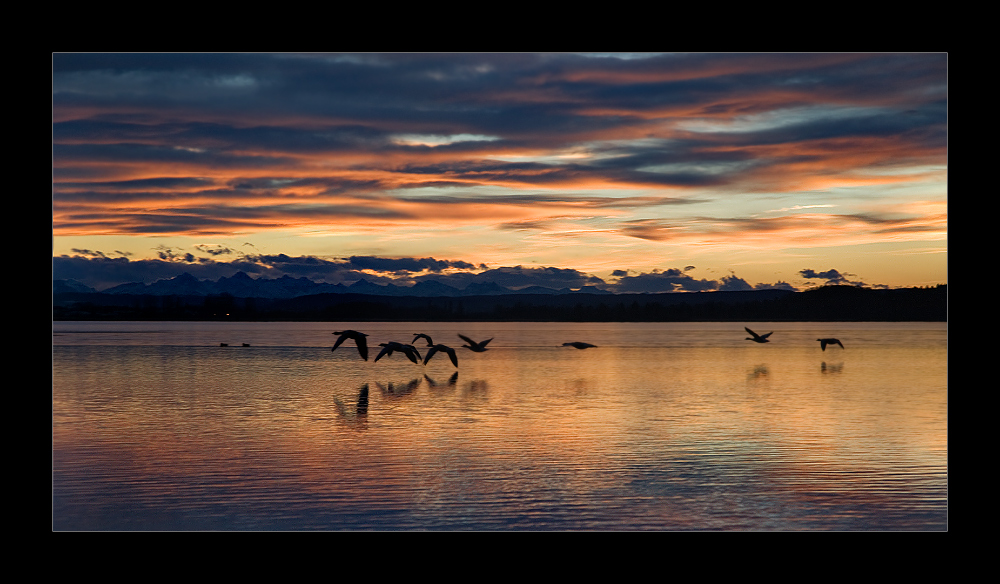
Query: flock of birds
(763, 339)
(413, 354)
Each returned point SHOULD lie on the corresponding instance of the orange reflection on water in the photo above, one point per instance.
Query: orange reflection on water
(676, 435)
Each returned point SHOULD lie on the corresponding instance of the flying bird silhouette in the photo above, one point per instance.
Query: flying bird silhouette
(824, 342)
(579, 345)
(758, 338)
(427, 338)
(473, 345)
(446, 349)
(358, 338)
(409, 350)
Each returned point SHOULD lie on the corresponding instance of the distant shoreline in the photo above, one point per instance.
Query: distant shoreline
(827, 303)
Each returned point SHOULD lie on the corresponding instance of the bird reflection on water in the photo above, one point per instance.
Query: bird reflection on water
(362, 408)
(475, 391)
(360, 412)
(450, 383)
(392, 390)
(758, 372)
(831, 368)
(477, 386)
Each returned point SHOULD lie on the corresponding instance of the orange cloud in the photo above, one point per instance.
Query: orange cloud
(802, 230)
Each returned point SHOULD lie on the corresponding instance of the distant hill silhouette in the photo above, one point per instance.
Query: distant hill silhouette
(242, 285)
(827, 303)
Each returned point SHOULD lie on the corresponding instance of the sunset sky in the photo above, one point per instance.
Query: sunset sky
(632, 172)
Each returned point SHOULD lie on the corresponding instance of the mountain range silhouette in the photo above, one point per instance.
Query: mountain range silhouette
(243, 286)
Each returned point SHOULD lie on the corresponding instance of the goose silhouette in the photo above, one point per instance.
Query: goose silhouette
(758, 338)
(427, 338)
(358, 338)
(409, 350)
(473, 345)
(824, 342)
(439, 347)
(579, 345)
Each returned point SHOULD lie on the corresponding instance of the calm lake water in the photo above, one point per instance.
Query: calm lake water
(663, 426)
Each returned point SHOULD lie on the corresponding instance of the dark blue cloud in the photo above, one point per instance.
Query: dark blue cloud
(406, 265)
(100, 270)
(779, 285)
(670, 280)
(548, 277)
(734, 283)
(146, 184)
(476, 93)
(832, 277)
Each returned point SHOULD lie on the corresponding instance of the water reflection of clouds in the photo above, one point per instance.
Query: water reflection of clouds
(770, 488)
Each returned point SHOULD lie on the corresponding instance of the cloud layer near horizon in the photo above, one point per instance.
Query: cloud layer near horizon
(101, 271)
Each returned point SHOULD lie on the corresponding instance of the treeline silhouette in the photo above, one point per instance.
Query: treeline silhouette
(827, 303)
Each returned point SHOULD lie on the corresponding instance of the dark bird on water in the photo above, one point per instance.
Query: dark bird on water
(223, 344)
(579, 345)
(358, 338)
(824, 342)
(446, 349)
(473, 345)
(758, 338)
(409, 350)
(427, 338)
